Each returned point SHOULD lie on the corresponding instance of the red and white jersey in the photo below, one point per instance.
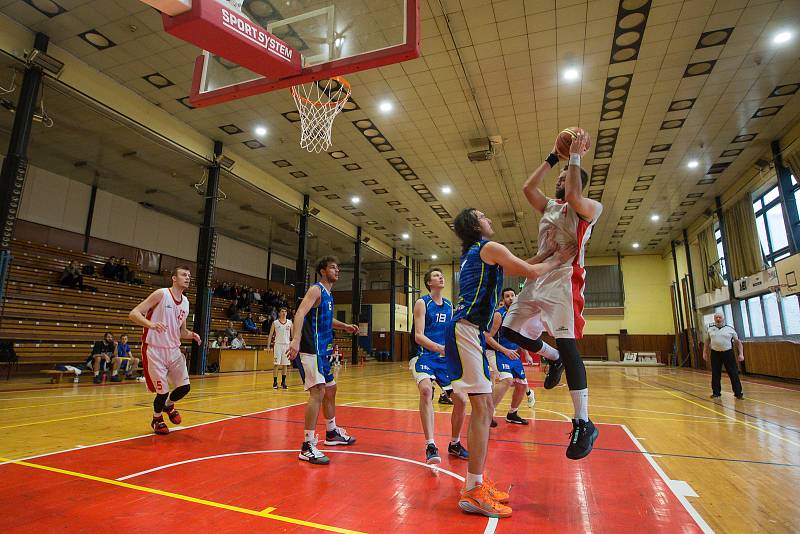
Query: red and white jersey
(171, 312)
(283, 332)
(561, 223)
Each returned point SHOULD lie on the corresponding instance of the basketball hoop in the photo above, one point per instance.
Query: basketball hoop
(318, 104)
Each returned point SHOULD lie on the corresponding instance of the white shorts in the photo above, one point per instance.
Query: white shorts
(555, 307)
(466, 361)
(315, 370)
(280, 357)
(163, 366)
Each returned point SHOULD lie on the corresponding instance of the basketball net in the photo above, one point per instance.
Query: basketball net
(318, 104)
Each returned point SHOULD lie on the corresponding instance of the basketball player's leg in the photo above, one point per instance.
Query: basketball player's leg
(523, 325)
(178, 376)
(424, 376)
(469, 370)
(334, 434)
(314, 383)
(157, 379)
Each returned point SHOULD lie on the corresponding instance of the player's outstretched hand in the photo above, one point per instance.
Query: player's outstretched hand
(351, 329)
(580, 144)
(197, 339)
(512, 355)
(294, 350)
(159, 327)
(566, 253)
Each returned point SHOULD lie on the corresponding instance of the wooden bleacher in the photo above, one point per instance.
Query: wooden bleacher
(50, 324)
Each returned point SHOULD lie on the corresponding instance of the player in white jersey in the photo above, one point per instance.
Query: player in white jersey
(282, 330)
(163, 316)
(554, 302)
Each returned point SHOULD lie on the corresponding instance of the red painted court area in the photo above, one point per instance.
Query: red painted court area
(242, 475)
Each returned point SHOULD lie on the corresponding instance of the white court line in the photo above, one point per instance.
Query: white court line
(490, 526)
(79, 447)
(678, 488)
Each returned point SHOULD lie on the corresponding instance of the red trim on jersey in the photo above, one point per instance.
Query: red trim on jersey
(177, 302)
(150, 384)
(578, 279)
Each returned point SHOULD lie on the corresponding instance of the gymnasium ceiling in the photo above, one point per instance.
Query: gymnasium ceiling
(661, 84)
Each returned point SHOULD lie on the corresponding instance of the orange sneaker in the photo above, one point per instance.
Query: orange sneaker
(479, 501)
(500, 496)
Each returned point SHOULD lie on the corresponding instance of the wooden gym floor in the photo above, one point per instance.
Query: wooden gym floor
(668, 459)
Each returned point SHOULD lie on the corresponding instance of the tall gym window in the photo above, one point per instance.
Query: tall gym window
(771, 225)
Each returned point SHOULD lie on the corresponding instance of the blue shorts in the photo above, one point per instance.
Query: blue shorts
(433, 367)
(314, 369)
(509, 368)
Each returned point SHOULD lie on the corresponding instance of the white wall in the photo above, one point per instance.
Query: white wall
(123, 221)
(240, 257)
(55, 201)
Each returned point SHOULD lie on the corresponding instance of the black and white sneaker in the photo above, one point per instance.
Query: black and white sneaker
(432, 454)
(554, 371)
(531, 398)
(311, 454)
(581, 439)
(513, 417)
(445, 399)
(274, 385)
(458, 450)
(338, 436)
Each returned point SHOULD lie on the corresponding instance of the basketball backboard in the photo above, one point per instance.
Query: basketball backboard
(255, 46)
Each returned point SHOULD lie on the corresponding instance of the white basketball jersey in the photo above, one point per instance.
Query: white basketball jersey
(561, 223)
(171, 313)
(283, 332)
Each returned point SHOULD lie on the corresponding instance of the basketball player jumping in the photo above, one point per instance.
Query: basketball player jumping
(555, 302)
(482, 265)
(312, 341)
(431, 315)
(163, 316)
(282, 330)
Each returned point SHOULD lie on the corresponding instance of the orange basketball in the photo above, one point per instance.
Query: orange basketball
(564, 140)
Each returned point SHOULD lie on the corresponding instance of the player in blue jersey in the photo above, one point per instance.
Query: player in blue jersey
(432, 313)
(507, 363)
(312, 341)
(483, 263)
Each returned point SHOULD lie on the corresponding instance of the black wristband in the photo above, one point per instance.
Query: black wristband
(552, 160)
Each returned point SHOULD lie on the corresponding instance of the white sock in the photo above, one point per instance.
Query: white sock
(169, 404)
(308, 435)
(455, 440)
(473, 480)
(156, 415)
(548, 352)
(96, 373)
(429, 442)
(513, 410)
(580, 400)
(330, 424)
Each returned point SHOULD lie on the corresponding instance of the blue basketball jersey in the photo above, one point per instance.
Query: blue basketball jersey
(436, 319)
(317, 335)
(480, 287)
(502, 310)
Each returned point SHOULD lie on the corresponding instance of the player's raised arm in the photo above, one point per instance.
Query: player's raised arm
(587, 208)
(419, 329)
(532, 188)
(139, 314)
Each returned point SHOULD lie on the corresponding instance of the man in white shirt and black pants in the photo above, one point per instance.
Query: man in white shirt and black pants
(719, 342)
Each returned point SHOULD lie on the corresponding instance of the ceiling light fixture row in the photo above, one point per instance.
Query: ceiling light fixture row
(630, 26)
(373, 135)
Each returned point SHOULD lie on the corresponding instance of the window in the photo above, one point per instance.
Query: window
(770, 315)
(770, 224)
(604, 287)
(720, 253)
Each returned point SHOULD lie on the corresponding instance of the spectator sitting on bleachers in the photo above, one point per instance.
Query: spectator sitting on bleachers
(216, 343)
(262, 320)
(104, 353)
(122, 273)
(110, 268)
(238, 342)
(71, 276)
(256, 296)
(250, 325)
(226, 343)
(233, 311)
(129, 363)
(230, 332)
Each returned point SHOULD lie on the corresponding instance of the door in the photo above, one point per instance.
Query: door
(612, 347)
